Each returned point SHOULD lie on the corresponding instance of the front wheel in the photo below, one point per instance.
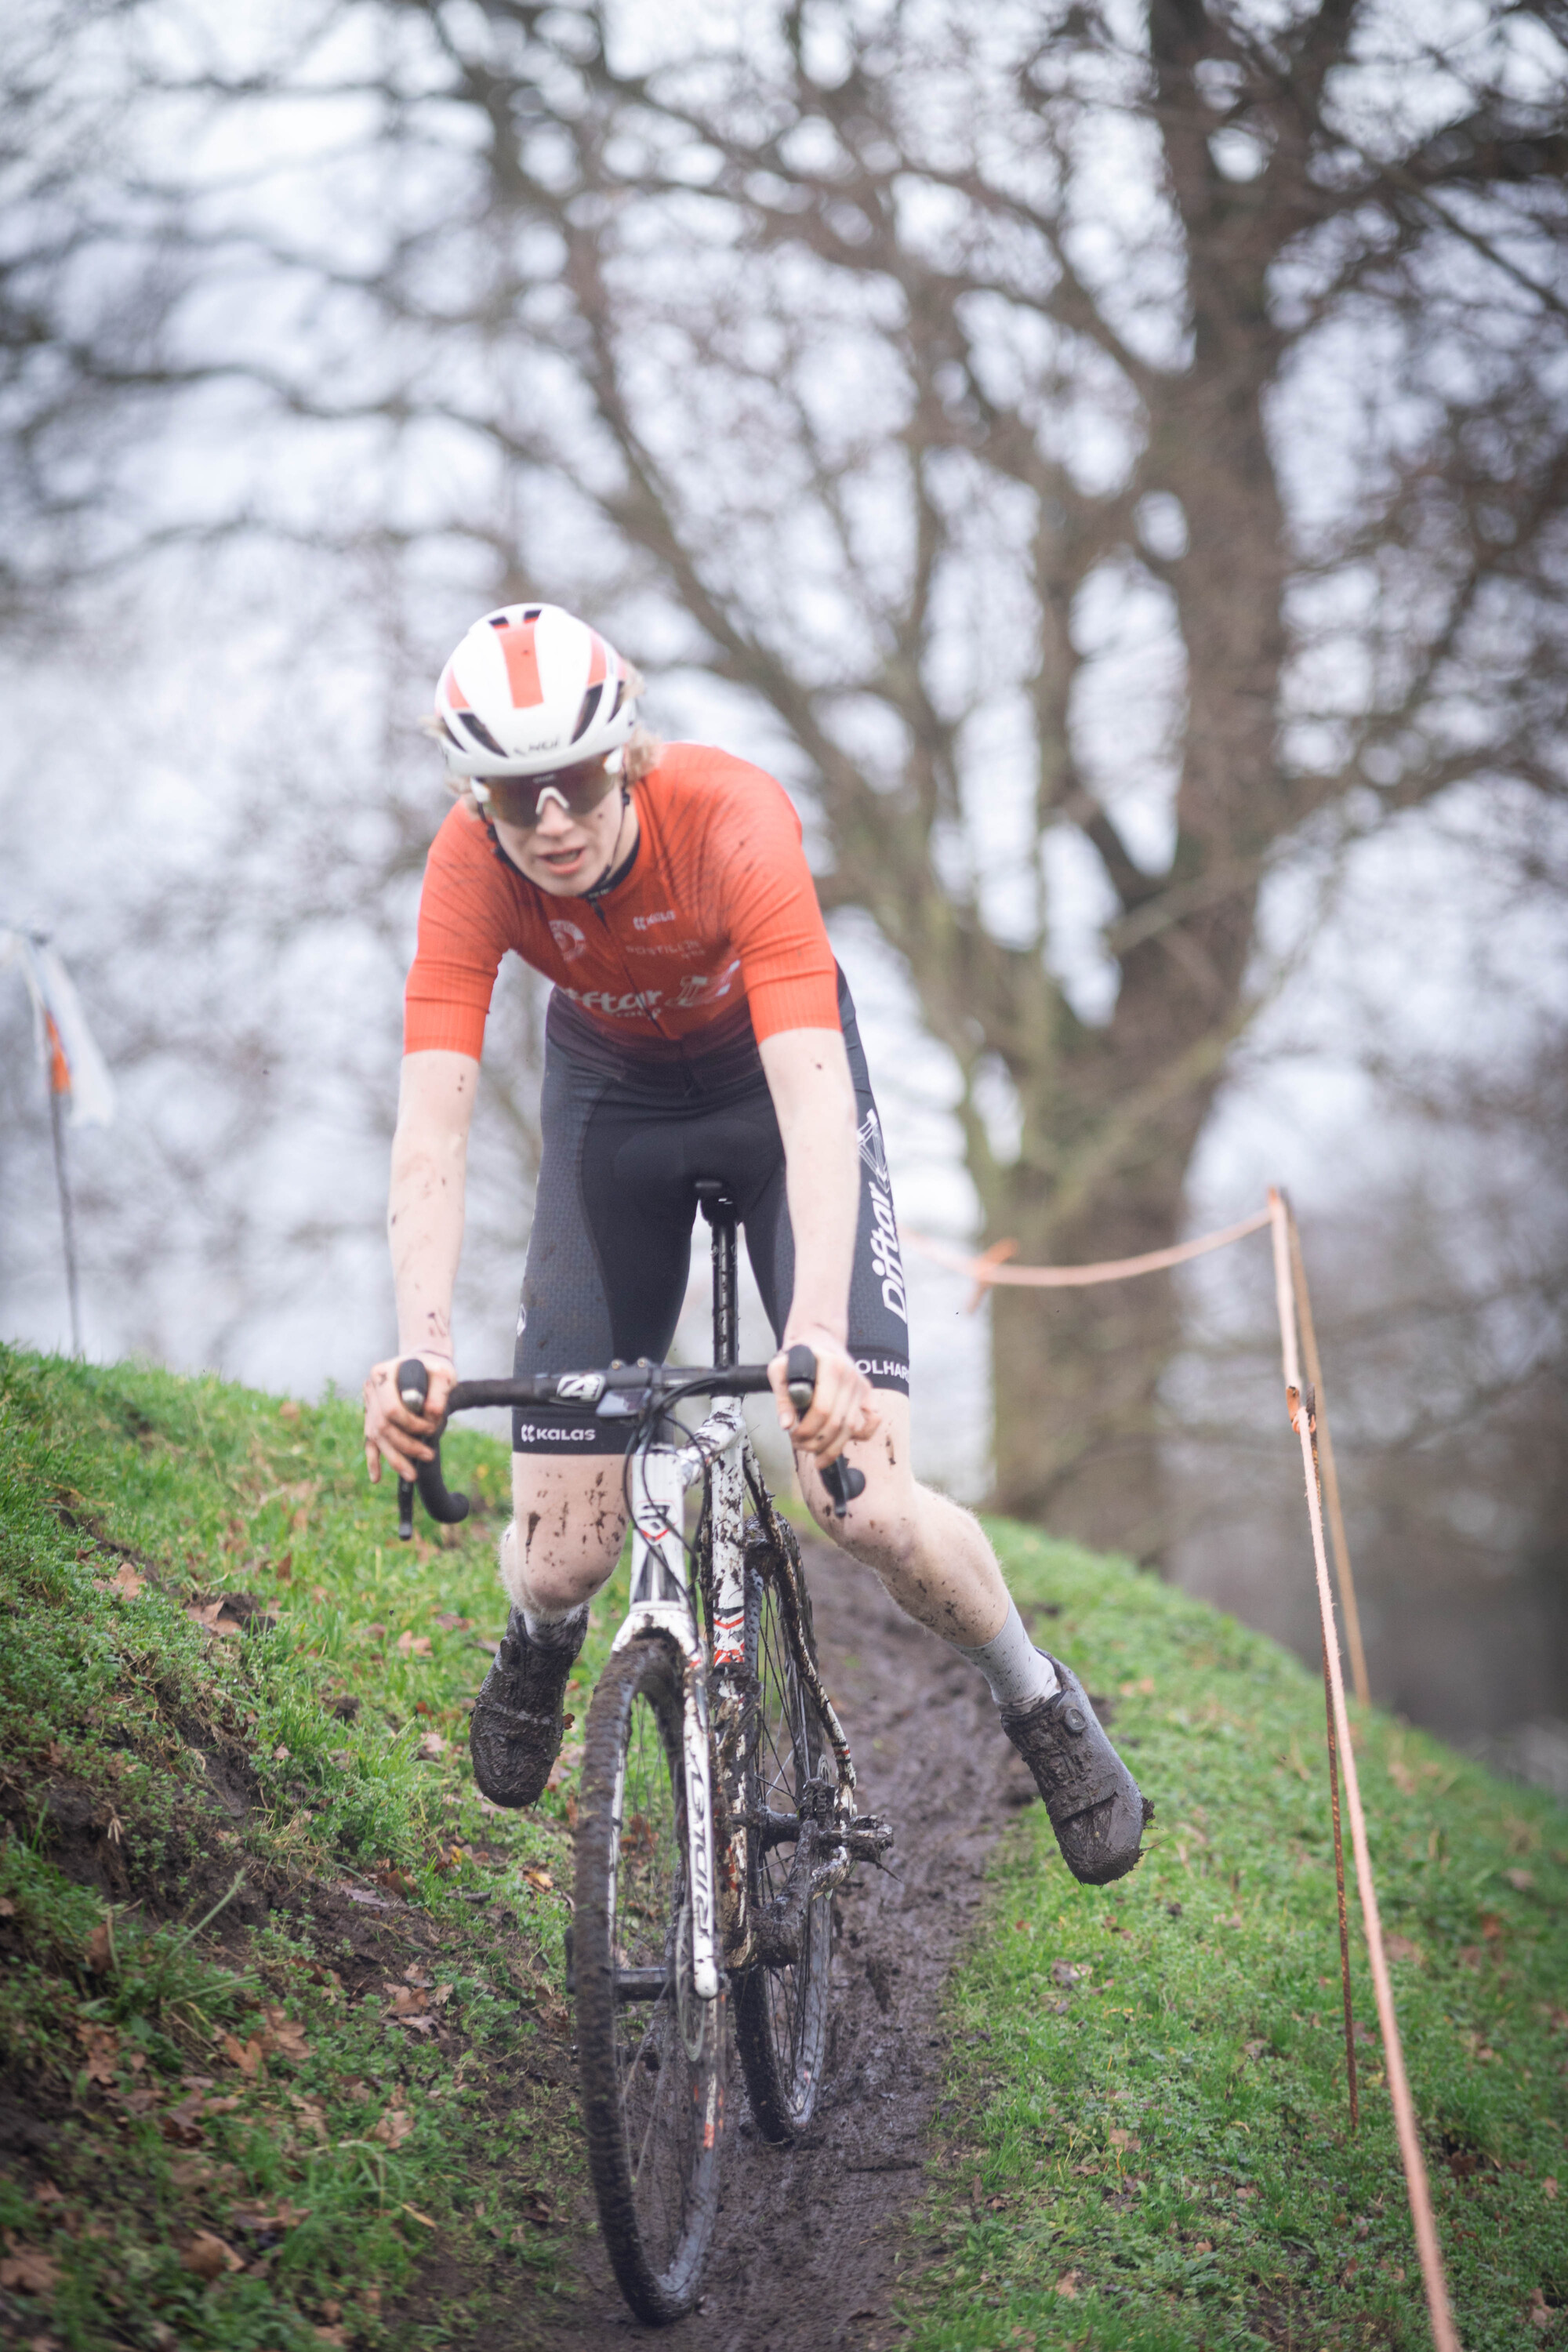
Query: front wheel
(650, 2054)
(782, 2013)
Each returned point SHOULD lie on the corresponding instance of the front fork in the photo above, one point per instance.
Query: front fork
(661, 1603)
(733, 1706)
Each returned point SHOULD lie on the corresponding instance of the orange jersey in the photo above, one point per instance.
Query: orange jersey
(719, 906)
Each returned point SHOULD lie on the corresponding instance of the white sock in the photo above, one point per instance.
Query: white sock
(1010, 1662)
(560, 1630)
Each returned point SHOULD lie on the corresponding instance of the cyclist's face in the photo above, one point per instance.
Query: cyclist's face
(566, 847)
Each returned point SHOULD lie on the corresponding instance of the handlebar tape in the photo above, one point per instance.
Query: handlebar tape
(413, 1388)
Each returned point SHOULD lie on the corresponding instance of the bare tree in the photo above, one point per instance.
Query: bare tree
(882, 363)
(1133, 437)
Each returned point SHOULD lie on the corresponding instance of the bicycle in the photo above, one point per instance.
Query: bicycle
(712, 1747)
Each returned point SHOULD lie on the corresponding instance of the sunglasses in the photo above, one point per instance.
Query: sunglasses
(518, 800)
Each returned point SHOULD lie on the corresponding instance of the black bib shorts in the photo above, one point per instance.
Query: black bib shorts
(627, 1135)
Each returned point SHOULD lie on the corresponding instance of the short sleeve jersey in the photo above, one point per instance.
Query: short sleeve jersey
(718, 904)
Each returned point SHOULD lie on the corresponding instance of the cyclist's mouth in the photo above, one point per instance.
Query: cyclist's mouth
(565, 862)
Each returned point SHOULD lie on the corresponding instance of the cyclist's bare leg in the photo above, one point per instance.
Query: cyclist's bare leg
(568, 1521)
(930, 1553)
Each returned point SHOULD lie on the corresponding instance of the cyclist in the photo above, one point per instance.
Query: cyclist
(698, 1027)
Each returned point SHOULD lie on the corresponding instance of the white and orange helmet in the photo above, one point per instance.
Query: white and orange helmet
(531, 689)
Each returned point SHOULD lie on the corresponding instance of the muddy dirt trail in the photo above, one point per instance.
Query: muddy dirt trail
(804, 2254)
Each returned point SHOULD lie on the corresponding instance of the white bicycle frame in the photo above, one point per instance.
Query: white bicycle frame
(662, 1602)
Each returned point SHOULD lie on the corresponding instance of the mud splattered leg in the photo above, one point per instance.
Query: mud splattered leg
(930, 1553)
(564, 1537)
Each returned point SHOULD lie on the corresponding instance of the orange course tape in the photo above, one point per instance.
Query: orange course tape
(990, 1270)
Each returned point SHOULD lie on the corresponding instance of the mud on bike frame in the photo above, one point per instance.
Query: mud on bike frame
(681, 1887)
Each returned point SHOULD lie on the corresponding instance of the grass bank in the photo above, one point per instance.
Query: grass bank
(1145, 2147)
(283, 2058)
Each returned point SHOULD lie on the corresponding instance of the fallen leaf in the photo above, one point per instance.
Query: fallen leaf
(414, 1645)
(213, 1617)
(125, 1584)
(1540, 2314)
(191, 2172)
(288, 1410)
(280, 1754)
(1470, 1956)
(8, 1909)
(1549, 2185)
(1064, 1972)
(222, 2106)
(339, 2335)
(46, 2193)
(29, 2271)
(450, 1624)
(393, 2128)
(288, 2036)
(397, 1880)
(1492, 1927)
(1521, 1881)
(180, 2126)
(542, 1879)
(209, 2256)
(102, 2046)
(100, 1949)
(257, 2220)
(311, 2112)
(425, 2218)
(1401, 1947)
(1124, 2139)
(1068, 2284)
(1142, 1689)
(247, 2055)
(431, 1747)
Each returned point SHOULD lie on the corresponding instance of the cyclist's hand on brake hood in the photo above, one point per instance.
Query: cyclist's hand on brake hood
(392, 1431)
(843, 1408)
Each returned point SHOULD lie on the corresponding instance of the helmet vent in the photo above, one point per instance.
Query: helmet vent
(481, 733)
(590, 703)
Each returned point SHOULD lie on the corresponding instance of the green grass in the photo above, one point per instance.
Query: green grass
(222, 1851)
(1156, 2155)
(202, 2067)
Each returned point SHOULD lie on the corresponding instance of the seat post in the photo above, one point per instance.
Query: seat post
(719, 1212)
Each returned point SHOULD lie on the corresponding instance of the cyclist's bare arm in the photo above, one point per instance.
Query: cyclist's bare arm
(807, 1073)
(425, 1227)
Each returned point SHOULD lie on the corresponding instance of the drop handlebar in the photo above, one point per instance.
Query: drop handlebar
(623, 1393)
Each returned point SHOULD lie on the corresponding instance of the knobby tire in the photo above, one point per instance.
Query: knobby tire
(782, 2014)
(651, 2071)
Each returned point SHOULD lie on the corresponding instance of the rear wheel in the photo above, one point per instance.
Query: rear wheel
(782, 2013)
(650, 2054)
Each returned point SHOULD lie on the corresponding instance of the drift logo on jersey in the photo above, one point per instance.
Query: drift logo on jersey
(569, 939)
(886, 1256)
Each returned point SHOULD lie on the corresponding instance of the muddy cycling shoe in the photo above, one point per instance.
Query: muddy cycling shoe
(1093, 1801)
(518, 1721)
